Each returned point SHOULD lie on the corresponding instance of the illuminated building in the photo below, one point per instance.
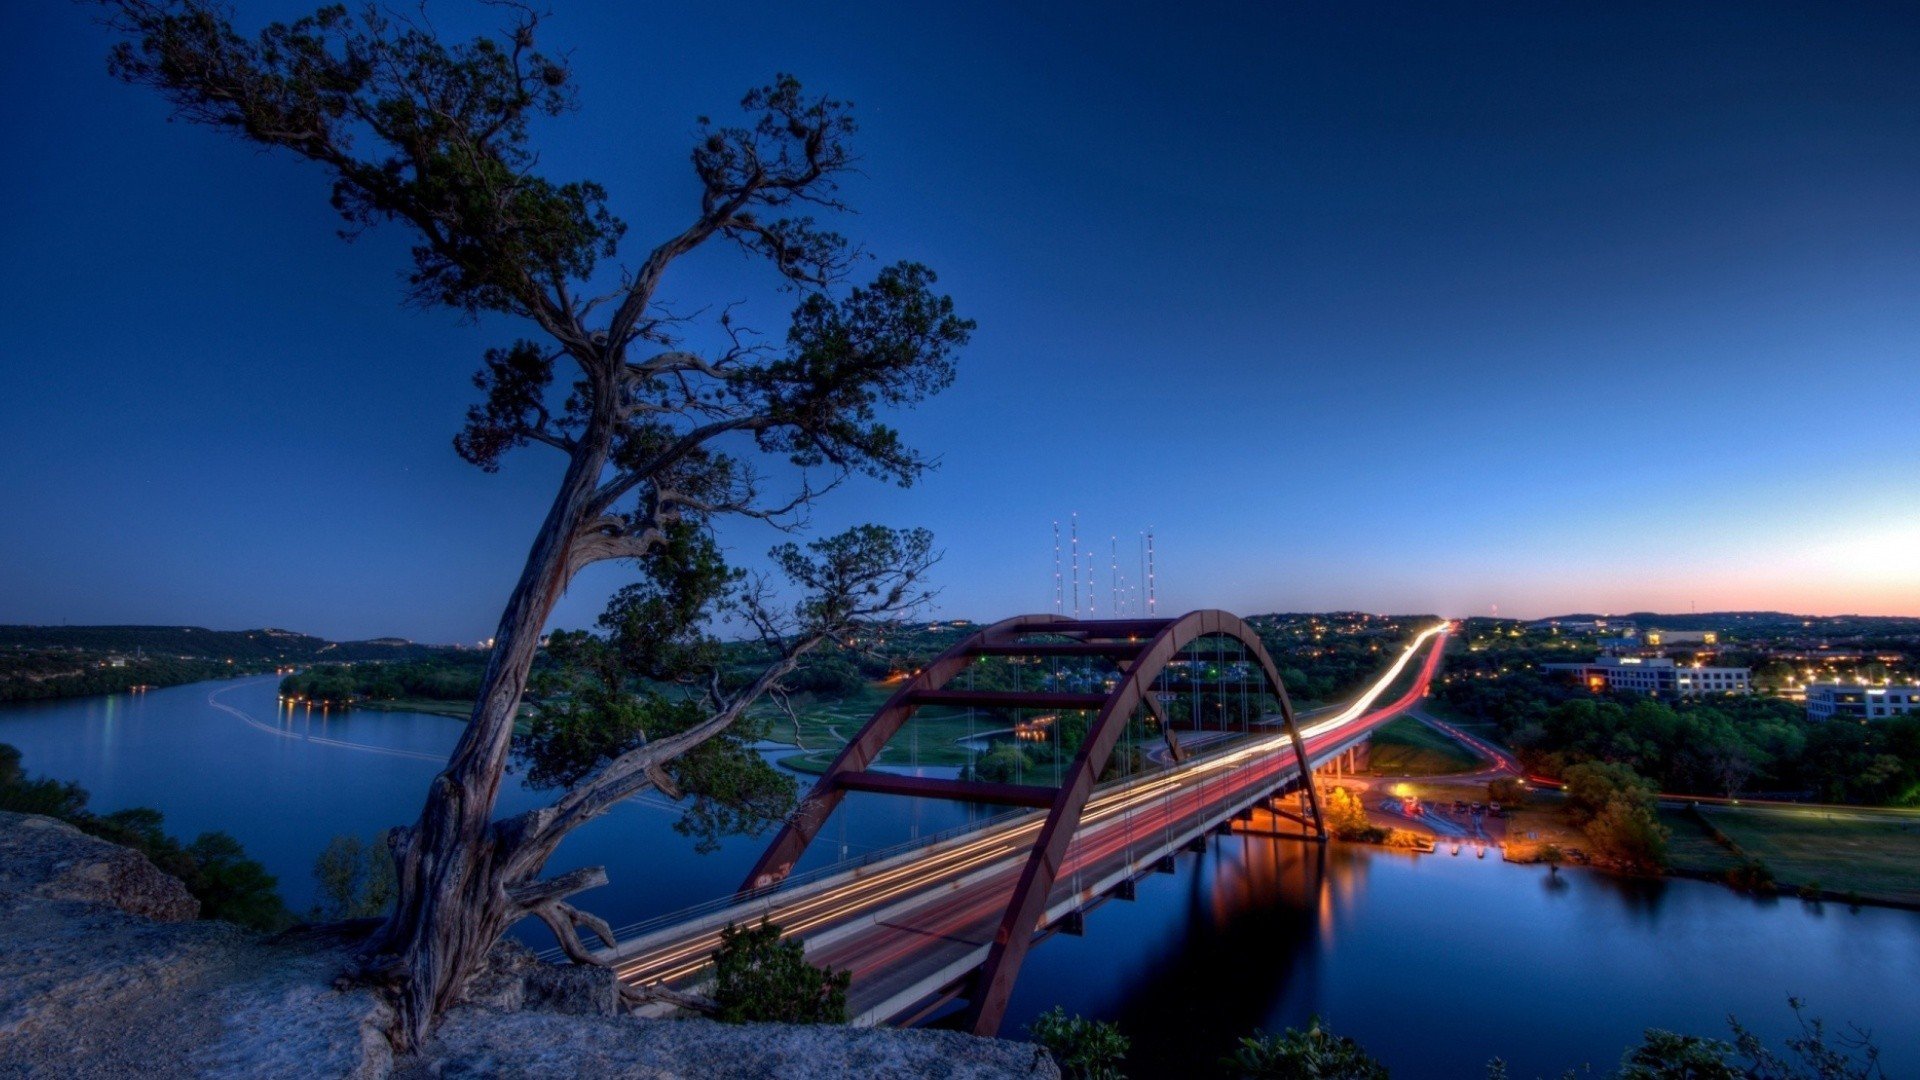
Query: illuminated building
(1683, 637)
(1659, 676)
(1827, 700)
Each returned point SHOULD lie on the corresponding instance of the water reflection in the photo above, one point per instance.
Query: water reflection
(1438, 964)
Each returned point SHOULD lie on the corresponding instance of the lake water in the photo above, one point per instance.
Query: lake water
(1436, 963)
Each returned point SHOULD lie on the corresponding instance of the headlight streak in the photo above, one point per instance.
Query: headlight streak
(674, 961)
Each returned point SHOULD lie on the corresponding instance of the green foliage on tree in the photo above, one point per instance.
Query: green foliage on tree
(1315, 1053)
(1006, 763)
(232, 886)
(1617, 808)
(44, 795)
(454, 676)
(1814, 1053)
(214, 867)
(759, 978)
(1083, 1049)
(354, 878)
(1663, 1055)
(1345, 815)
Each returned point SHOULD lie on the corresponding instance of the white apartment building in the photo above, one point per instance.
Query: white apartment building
(1660, 676)
(1859, 701)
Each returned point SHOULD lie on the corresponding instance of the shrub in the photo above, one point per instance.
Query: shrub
(1627, 831)
(1347, 819)
(1313, 1054)
(1592, 785)
(1084, 1049)
(356, 879)
(760, 978)
(1663, 1055)
(233, 887)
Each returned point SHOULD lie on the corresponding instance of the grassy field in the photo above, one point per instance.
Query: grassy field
(1439, 709)
(1873, 856)
(459, 710)
(931, 737)
(1691, 849)
(1407, 747)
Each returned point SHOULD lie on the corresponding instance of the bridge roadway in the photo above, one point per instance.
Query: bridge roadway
(914, 925)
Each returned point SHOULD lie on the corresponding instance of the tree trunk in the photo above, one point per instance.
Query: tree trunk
(452, 901)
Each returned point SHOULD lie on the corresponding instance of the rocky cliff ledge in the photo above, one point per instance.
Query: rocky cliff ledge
(104, 972)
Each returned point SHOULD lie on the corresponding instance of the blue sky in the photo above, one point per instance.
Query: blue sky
(1380, 307)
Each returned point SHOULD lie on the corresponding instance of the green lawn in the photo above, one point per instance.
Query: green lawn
(1873, 856)
(1407, 747)
(931, 737)
(1691, 848)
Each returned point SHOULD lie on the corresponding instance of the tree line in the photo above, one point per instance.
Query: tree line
(213, 866)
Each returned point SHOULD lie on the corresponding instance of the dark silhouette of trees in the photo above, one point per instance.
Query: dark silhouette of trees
(656, 411)
(214, 868)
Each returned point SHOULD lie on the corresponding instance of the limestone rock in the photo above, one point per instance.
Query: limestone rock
(516, 979)
(52, 860)
(477, 1042)
(88, 989)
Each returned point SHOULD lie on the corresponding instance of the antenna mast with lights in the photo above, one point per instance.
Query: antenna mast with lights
(1152, 597)
(1074, 524)
(1058, 585)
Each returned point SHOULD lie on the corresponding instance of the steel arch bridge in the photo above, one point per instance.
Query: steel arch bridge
(1140, 649)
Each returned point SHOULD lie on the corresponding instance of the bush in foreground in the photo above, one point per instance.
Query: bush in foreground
(1084, 1049)
(760, 978)
(1313, 1054)
(355, 879)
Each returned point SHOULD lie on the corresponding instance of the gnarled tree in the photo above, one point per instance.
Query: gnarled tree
(436, 136)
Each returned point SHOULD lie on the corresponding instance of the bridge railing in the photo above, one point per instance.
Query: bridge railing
(800, 881)
(796, 882)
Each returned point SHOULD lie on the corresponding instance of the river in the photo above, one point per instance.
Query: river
(1436, 963)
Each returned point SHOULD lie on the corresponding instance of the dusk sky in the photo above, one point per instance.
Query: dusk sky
(1416, 308)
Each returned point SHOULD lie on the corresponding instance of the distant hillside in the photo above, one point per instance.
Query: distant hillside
(38, 662)
(198, 642)
(1761, 622)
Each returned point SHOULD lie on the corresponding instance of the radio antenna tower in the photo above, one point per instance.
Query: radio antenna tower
(1113, 574)
(1152, 597)
(1058, 585)
(1074, 524)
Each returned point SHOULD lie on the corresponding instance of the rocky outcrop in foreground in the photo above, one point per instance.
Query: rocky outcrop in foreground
(102, 975)
(52, 860)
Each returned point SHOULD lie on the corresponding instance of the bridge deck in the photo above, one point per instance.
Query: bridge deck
(909, 927)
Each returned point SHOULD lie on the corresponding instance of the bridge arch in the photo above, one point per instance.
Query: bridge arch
(1141, 649)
